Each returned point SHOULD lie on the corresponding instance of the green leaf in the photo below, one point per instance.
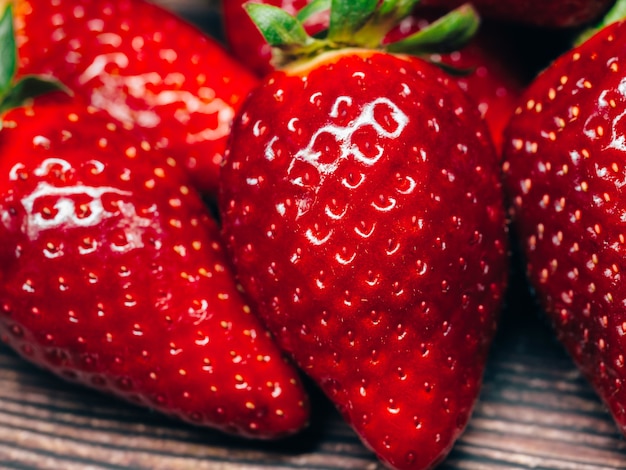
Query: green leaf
(388, 7)
(12, 94)
(447, 34)
(451, 69)
(29, 87)
(8, 50)
(312, 8)
(277, 26)
(388, 14)
(398, 8)
(348, 16)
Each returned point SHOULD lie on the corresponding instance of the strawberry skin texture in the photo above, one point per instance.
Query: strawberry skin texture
(491, 80)
(542, 13)
(113, 276)
(565, 172)
(362, 205)
(146, 67)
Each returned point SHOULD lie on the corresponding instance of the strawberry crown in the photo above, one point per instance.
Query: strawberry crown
(14, 93)
(358, 23)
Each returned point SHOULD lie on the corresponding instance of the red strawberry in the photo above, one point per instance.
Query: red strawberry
(490, 78)
(112, 274)
(492, 82)
(542, 13)
(565, 176)
(361, 202)
(143, 65)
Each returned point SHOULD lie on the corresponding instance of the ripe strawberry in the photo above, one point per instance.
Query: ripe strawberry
(565, 174)
(491, 81)
(112, 274)
(361, 203)
(143, 65)
(542, 13)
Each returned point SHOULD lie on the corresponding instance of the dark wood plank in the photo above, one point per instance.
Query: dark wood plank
(535, 411)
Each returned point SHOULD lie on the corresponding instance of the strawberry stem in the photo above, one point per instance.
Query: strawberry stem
(383, 20)
(347, 17)
(358, 23)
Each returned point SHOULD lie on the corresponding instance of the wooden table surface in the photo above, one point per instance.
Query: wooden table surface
(535, 411)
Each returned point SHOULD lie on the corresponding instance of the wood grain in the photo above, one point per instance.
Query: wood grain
(535, 411)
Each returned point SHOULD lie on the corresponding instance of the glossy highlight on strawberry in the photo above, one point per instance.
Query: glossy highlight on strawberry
(362, 207)
(112, 275)
(146, 67)
(564, 174)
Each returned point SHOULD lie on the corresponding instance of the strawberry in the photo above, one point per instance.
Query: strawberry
(143, 65)
(541, 13)
(486, 75)
(361, 202)
(564, 170)
(112, 274)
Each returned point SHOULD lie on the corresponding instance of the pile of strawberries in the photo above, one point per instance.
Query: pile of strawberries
(194, 228)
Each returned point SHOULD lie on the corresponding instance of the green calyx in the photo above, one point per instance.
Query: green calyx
(359, 24)
(16, 93)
